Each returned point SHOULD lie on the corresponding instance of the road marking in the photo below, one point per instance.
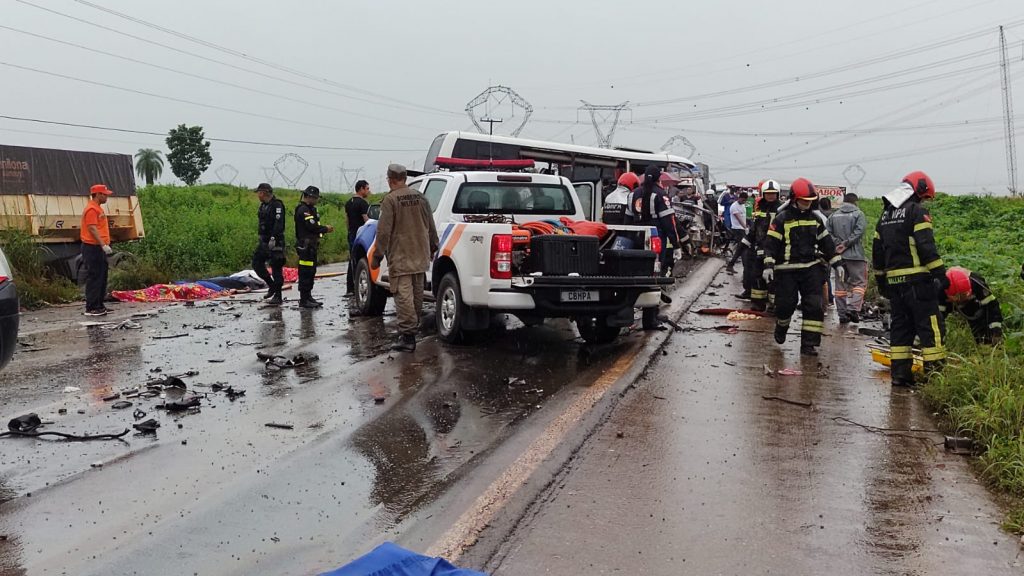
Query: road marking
(465, 531)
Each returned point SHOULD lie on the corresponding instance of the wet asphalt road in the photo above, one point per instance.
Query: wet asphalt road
(376, 436)
(696, 473)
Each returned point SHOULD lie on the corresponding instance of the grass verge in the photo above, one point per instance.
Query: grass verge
(37, 285)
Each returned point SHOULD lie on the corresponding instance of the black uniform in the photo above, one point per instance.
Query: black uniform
(355, 208)
(981, 310)
(655, 211)
(910, 273)
(757, 237)
(307, 240)
(271, 246)
(795, 245)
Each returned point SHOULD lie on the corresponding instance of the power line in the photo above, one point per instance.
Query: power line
(229, 140)
(220, 62)
(206, 78)
(193, 102)
(968, 123)
(253, 59)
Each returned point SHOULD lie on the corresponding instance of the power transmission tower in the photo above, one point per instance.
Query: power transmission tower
(679, 143)
(854, 174)
(1011, 144)
(494, 97)
(604, 114)
(268, 173)
(350, 183)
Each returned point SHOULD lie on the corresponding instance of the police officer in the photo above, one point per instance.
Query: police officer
(764, 213)
(308, 231)
(271, 244)
(650, 207)
(797, 240)
(614, 210)
(908, 270)
(407, 237)
(969, 294)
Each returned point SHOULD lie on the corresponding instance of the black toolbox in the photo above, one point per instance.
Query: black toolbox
(564, 254)
(628, 262)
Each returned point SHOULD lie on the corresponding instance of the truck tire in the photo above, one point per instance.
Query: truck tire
(370, 299)
(650, 319)
(450, 312)
(596, 330)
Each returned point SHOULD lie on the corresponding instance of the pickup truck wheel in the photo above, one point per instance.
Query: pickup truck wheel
(650, 319)
(370, 298)
(450, 311)
(596, 330)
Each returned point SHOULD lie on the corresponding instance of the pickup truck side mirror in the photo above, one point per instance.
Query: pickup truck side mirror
(374, 212)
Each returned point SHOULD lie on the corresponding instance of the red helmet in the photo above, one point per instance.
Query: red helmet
(803, 189)
(959, 284)
(629, 180)
(921, 183)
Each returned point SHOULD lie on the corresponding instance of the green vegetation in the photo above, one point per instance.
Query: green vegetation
(189, 153)
(980, 394)
(37, 286)
(149, 164)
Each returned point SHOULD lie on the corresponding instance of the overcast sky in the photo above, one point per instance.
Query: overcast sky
(891, 86)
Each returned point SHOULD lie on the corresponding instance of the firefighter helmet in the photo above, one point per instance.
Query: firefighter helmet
(769, 187)
(803, 189)
(959, 284)
(629, 180)
(921, 183)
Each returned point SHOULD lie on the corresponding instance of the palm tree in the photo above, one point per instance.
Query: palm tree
(149, 164)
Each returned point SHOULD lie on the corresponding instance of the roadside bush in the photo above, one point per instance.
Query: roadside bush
(37, 286)
(135, 275)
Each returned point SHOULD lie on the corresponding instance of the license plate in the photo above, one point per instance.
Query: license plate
(580, 296)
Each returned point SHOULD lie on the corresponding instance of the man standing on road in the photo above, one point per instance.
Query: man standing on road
(910, 273)
(356, 213)
(271, 244)
(95, 236)
(795, 238)
(848, 225)
(737, 231)
(764, 213)
(308, 231)
(407, 237)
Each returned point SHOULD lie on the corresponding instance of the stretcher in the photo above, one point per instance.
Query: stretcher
(881, 355)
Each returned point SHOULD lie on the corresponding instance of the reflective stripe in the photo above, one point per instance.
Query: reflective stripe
(835, 260)
(823, 235)
(859, 290)
(812, 326)
(903, 272)
(841, 293)
(933, 264)
(760, 252)
(309, 216)
(936, 332)
(775, 234)
(745, 242)
(664, 213)
(788, 227)
(783, 322)
(995, 325)
(922, 226)
(796, 266)
(769, 261)
(305, 262)
(913, 252)
(877, 237)
(901, 353)
(933, 354)
(991, 298)
(758, 294)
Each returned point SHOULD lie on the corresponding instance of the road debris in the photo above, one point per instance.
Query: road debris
(277, 362)
(71, 389)
(787, 401)
(147, 427)
(169, 336)
(768, 371)
(123, 404)
(112, 397)
(960, 445)
(281, 426)
(181, 405)
(789, 372)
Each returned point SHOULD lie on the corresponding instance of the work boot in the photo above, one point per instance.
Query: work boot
(310, 304)
(844, 319)
(853, 317)
(780, 334)
(270, 294)
(808, 350)
(729, 269)
(901, 383)
(759, 305)
(745, 295)
(275, 300)
(405, 343)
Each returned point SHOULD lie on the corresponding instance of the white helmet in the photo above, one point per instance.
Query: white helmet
(770, 186)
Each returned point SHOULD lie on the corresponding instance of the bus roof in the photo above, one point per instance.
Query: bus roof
(610, 153)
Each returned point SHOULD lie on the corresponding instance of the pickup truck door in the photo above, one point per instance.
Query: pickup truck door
(587, 193)
(433, 189)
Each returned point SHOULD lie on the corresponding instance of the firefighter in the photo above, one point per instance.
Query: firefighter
(308, 232)
(650, 207)
(792, 261)
(270, 249)
(969, 294)
(908, 271)
(764, 212)
(614, 210)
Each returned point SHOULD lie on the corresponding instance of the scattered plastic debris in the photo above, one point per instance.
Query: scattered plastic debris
(71, 389)
(281, 426)
(147, 427)
(789, 372)
(123, 404)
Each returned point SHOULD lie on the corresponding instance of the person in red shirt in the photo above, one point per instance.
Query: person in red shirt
(95, 249)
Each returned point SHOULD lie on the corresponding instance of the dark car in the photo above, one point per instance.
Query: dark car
(9, 312)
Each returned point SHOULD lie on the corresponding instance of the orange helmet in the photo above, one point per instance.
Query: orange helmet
(629, 180)
(921, 183)
(959, 284)
(803, 189)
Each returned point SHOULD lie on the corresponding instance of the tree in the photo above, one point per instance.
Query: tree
(189, 153)
(149, 164)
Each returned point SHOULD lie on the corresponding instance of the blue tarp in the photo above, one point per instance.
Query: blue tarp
(392, 560)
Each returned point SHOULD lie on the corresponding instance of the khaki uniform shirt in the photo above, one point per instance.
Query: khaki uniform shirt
(406, 234)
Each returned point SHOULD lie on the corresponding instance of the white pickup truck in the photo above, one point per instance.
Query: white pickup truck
(488, 264)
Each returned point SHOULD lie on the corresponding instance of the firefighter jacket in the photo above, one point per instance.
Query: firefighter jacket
(757, 234)
(406, 234)
(614, 210)
(307, 227)
(271, 217)
(981, 309)
(904, 249)
(798, 240)
(655, 210)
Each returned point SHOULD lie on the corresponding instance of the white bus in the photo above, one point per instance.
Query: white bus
(593, 170)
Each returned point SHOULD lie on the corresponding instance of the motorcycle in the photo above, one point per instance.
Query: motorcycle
(696, 226)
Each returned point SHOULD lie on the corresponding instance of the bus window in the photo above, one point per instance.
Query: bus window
(433, 152)
(585, 192)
